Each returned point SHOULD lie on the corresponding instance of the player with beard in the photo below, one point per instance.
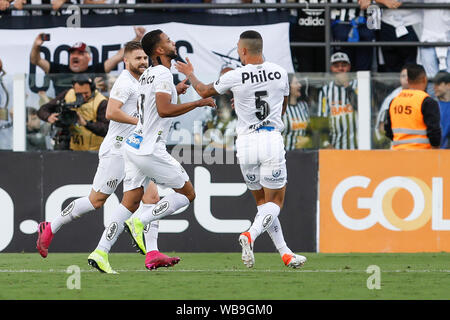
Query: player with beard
(146, 157)
(121, 111)
(260, 92)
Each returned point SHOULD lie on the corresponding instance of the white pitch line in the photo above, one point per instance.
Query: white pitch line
(225, 271)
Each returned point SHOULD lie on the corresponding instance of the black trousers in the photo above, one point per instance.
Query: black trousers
(396, 57)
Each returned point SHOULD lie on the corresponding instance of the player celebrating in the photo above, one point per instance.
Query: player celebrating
(146, 155)
(260, 91)
(121, 110)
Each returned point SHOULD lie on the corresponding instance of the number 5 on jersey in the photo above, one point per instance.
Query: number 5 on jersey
(262, 106)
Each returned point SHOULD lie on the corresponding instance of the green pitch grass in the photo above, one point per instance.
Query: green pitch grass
(222, 276)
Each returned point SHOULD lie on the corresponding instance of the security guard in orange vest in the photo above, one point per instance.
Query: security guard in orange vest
(413, 120)
(81, 114)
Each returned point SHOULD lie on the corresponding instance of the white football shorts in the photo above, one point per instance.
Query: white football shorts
(262, 160)
(159, 167)
(110, 173)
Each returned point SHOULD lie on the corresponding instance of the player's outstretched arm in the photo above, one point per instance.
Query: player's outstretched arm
(204, 90)
(167, 109)
(115, 113)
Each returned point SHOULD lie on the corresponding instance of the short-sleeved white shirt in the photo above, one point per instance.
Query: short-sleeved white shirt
(258, 92)
(151, 128)
(125, 90)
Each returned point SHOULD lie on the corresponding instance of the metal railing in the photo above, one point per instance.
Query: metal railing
(328, 43)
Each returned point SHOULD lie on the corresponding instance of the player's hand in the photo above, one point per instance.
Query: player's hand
(210, 102)
(232, 103)
(182, 87)
(53, 118)
(140, 33)
(185, 68)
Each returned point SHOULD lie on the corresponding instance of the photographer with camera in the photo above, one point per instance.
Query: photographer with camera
(79, 114)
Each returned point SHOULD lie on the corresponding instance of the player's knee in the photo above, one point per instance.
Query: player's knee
(97, 203)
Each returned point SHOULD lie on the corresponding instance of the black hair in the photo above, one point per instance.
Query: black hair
(150, 40)
(256, 41)
(415, 72)
(250, 34)
(441, 77)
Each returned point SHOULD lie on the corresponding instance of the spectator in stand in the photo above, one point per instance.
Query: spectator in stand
(413, 119)
(296, 117)
(79, 59)
(398, 25)
(381, 118)
(18, 4)
(436, 28)
(338, 102)
(308, 25)
(350, 25)
(229, 11)
(442, 91)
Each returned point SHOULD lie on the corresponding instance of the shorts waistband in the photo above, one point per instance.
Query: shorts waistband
(266, 128)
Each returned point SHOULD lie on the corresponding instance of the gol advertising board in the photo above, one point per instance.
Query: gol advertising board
(384, 201)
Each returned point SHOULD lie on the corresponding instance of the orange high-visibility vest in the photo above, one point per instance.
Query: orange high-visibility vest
(410, 131)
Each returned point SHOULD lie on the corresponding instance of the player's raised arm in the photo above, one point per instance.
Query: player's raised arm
(204, 90)
(167, 109)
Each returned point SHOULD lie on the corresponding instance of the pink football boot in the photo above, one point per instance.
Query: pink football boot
(45, 236)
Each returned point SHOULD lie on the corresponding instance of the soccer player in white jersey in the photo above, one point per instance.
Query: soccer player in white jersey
(121, 110)
(260, 91)
(145, 151)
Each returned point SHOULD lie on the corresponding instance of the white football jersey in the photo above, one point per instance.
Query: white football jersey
(258, 92)
(125, 90)
(151, 128)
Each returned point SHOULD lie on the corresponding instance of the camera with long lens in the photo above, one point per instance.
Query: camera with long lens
(67, 117)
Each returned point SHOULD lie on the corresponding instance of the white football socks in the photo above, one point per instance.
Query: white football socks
(276, 234)
(73, 211)
(151, 236)
(267, 213)
(115, 228)
(165, 207)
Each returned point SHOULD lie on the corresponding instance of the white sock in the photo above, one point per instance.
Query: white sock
(73, 211)
(267, 213)
(165, 207)
(276, 234)
(115, 228)
(151, 236)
